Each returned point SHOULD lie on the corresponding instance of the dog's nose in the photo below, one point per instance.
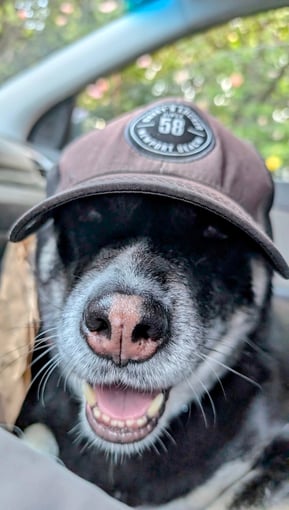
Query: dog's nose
(125, 327)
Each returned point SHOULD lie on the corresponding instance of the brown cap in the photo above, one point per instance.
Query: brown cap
(169, 148)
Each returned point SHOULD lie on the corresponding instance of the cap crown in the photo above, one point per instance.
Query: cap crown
(173, 138)
(171, 149)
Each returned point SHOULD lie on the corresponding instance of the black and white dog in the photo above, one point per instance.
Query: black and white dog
(154, 269)
(157, 318)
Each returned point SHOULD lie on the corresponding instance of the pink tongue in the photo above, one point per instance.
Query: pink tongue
(122, 403)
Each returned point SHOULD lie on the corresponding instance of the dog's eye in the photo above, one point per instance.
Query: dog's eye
(90, 216)
(211, 232)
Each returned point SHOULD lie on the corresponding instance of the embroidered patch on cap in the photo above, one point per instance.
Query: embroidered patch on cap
(173, 131)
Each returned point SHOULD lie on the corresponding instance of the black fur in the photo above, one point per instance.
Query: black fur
(178, 246)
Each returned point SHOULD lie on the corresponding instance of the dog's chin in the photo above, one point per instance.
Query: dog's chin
(121, 420)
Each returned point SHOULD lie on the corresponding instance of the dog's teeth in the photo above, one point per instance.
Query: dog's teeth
(131, 422)
(96, 412)
(155, 405)
(105, 418)
(117, 423)
(141, 421)
(89, 394)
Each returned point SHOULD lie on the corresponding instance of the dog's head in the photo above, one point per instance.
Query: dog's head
(148, 301)
(155, 269)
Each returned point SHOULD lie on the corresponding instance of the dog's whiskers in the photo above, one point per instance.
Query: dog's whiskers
(45, 367)
(229, 349)
(169, 436)
(45, 379)
(153, 446)
(199, 402)
(259, 349)
(205, 357)
(211, 401)
(26, 353)
(76, 433)
(67, 376)
(87, 446)
(24, 347)
(42, 333)
(162, 445)
(39, 356)
(219, 381)
(24, 350)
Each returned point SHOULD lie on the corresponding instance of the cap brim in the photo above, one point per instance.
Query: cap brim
(173, 187)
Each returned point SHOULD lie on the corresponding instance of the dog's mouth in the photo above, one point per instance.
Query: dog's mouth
(122, 415)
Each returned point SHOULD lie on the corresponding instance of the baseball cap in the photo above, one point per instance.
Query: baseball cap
(169, 148)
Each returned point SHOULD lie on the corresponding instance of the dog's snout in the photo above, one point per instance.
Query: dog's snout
(125, 327)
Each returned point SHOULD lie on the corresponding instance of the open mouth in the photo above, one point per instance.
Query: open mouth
(122, 415)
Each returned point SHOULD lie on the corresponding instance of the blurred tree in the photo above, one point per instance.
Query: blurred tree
(238, 71)
(32, 29)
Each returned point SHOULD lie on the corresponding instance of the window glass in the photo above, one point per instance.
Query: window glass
(238, 71)
(32, 29)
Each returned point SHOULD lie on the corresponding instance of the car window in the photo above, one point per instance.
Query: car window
(238, 71)
(32, 29)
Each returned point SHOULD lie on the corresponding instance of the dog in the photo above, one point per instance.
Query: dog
(157, 373)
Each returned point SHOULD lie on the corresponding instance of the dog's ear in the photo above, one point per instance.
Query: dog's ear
(52, 180)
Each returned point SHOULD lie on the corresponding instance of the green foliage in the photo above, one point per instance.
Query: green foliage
(238, 71)
(32, 29)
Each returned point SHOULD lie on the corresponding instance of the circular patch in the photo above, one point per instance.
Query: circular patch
(172, 131)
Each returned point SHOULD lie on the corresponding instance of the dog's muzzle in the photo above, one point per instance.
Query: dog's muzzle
(125, 329)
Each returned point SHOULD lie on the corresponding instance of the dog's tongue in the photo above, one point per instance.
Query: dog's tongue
(122, 403)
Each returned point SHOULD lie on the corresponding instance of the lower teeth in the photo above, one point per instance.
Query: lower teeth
(130, 423)
(152, 411)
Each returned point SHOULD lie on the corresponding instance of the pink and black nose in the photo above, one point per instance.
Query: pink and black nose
(125, 327)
